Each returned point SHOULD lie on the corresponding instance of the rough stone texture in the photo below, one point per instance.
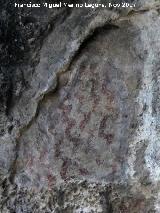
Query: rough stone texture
(79, 109)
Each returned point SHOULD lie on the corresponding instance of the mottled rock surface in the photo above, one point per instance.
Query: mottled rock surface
(79, 109)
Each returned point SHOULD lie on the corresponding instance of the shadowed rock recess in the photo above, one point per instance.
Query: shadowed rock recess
(80, 109)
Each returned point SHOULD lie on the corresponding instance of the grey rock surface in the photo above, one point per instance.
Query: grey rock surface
(79, 109)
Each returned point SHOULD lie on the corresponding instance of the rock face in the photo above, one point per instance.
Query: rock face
(79, 109)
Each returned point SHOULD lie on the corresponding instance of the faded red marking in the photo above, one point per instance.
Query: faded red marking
(89, 147)
(30, 162)
(123, 208)
(64, 169)
(76, 143)
(107, 92)
(70, 124)
(108, 137)
(83, 123)
(80, 98)
(57, 149)
(110, 109)
(104, 87)
(83, 171)
(132, 205)
(66, 108)
(99, 162)
(43, 154)
(114, 168)
(95, 103)
(51, 180)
